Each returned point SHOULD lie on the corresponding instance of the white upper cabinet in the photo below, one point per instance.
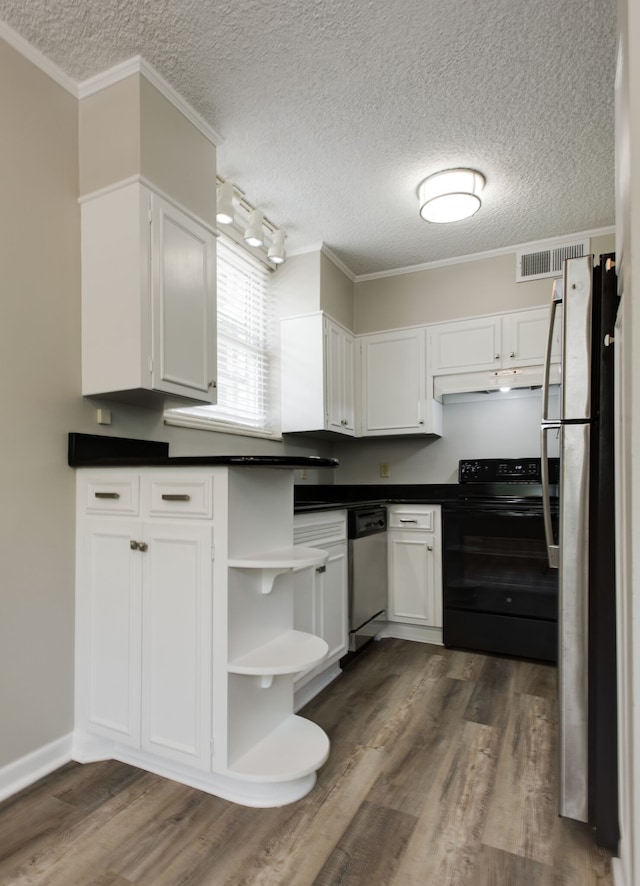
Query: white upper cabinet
(465, 345)
(317, 361)
(148, 299)
(393, 385)
(489, 343)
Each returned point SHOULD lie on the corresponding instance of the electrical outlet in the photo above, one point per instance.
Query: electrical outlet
(384, 469)
(303, 474)
(103, 416)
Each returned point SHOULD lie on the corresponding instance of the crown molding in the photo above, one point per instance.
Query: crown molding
(338, 263)
(479, 256)
(38, 59)
(138, 65)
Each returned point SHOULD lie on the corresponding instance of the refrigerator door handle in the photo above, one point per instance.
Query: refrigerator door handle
(547, 359)
(553, 548)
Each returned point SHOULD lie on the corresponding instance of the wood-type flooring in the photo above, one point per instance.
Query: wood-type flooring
(442, 771)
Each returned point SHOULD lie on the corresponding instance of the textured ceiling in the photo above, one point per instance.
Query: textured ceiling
(333, 111)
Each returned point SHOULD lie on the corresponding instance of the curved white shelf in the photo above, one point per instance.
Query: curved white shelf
(275, 563)
(292, 750)
(290, 653)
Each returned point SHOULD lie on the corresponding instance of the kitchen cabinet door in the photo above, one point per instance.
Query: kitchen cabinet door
(109, 630)
(339, 373)
(415, 566)
(524, 338)
(465, 346)
(393, 385)
(148, 299)
(176, 642)
(331, 601)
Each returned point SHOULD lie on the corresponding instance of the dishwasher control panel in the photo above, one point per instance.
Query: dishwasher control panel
(366, 521)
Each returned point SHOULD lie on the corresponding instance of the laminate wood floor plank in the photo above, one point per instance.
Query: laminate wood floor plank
(370, 849)
(494, 867)
(522, 811)
(442, 771)
(447, 835)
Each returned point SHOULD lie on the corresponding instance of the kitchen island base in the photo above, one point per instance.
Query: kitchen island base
(186, 651)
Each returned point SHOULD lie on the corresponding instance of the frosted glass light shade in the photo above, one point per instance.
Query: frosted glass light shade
(224, 208)
(450, 195)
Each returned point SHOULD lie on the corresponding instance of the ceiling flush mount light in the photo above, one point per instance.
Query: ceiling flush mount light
(224, 209)
(276, 253)
(450, 195)
(253, 235)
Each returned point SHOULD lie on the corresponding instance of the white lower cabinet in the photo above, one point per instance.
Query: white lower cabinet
(320, 601)
(143, 623)
(186, 648)
(415, 565)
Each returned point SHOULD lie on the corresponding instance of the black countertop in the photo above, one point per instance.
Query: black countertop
(326, 497)
(97, 451)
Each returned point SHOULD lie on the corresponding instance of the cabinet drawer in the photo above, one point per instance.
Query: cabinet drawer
(112, 495)
(181, 496)
(412, 519)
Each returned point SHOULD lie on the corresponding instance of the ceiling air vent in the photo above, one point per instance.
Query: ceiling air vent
(547, 262)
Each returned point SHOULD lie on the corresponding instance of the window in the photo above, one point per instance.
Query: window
(246, 401)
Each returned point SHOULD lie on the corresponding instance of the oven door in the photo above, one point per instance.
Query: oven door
(499, 593)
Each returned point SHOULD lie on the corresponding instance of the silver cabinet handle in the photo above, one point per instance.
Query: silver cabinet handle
(321, 569)
(107, 494)
(512, 354)
(403, 520)
(174, 496)
(213, 384)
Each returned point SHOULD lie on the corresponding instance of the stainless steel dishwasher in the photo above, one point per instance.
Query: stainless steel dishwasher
(367, 542)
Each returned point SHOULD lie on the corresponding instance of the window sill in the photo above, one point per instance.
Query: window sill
(203, 424)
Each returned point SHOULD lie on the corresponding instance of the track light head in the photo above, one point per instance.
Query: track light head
(224, 209)
(253, 235)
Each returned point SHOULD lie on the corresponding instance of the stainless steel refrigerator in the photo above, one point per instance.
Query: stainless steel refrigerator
(585, 304)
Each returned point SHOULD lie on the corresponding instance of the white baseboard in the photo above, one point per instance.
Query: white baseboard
(617, 870)
(418, 633)
(22, 772)
(315, 686)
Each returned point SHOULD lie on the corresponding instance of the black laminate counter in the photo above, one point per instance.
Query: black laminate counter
(325, 497)
(97, 451)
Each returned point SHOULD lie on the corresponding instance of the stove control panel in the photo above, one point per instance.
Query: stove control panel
(505, 470)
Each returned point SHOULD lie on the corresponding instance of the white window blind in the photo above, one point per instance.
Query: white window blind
(245, 349)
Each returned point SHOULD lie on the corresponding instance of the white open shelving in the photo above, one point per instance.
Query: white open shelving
(295, 748)
(292, 652)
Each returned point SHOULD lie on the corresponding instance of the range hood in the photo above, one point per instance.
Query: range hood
(478, 382)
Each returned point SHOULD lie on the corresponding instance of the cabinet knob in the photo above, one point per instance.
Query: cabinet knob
(213, 384)
(138, 545)
(512, 354)
(429, 547)
(321, 569)
(496, 356)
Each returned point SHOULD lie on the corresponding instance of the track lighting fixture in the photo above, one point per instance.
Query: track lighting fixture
(276, 253)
